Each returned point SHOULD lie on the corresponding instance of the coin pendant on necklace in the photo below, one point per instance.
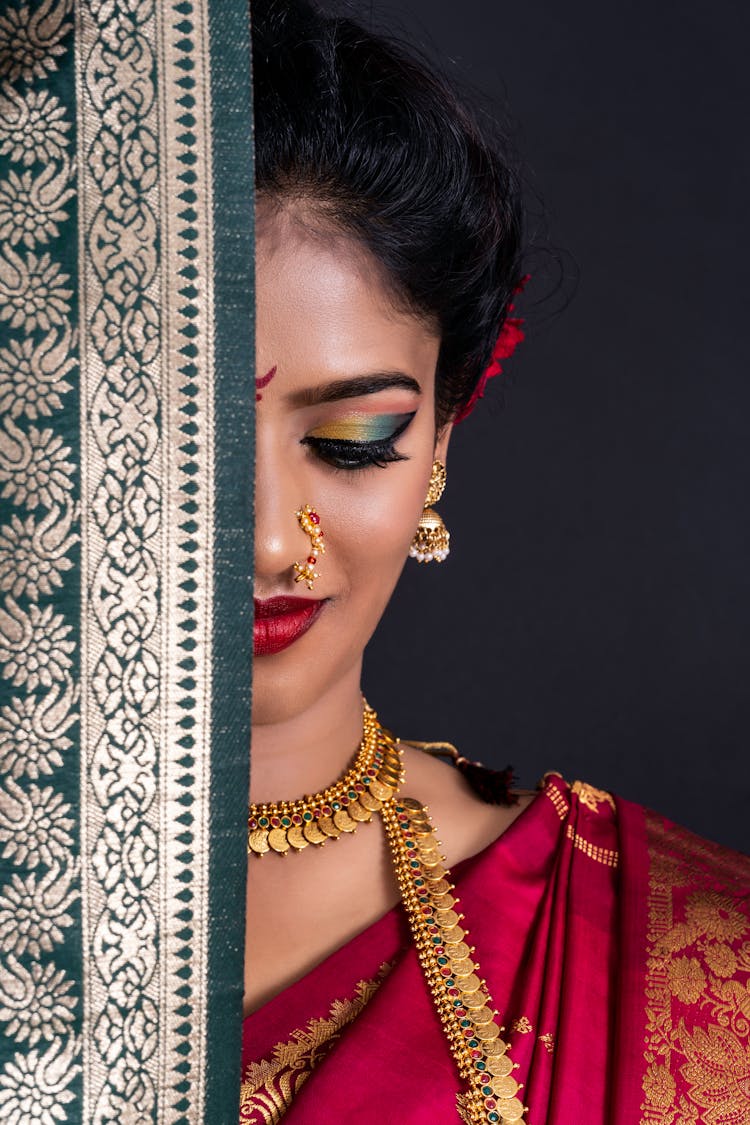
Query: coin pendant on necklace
(327, 825)
(512, 1110)
(343, 821)
(369, 802)
(358, 812)
(296, 838)
(382, 792)
(312, 833)
(258, 841)
(278, 841)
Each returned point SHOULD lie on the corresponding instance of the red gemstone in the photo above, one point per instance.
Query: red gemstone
(296, 819)
(314, 517)
(476, 1054)
(460, 1012)
(252, 822)
(490, 1103)
(453, 992)
(312, 560)
(275, 822)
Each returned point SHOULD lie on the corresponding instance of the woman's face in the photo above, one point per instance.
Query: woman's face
(346, 424)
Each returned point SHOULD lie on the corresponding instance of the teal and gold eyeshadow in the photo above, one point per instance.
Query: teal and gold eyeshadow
(361, 428)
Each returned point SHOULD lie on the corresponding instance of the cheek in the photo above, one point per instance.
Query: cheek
(374, 528)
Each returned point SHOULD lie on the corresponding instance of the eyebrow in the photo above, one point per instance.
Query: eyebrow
(355, 388)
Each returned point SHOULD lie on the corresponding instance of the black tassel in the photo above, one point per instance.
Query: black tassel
(493, 786)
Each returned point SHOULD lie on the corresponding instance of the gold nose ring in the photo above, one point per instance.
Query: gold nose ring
(309, 521)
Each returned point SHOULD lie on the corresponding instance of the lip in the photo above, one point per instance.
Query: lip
(279, 622)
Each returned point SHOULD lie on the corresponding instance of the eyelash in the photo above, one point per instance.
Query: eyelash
(354, 455)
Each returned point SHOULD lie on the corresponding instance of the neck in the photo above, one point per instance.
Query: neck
(306, 752)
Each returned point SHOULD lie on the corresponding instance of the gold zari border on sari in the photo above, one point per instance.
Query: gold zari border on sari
(270, 1085)
(696, 1069)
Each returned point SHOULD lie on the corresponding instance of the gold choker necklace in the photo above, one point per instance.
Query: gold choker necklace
(373, 779)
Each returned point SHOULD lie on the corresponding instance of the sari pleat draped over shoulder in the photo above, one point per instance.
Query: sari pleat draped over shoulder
(615, 946)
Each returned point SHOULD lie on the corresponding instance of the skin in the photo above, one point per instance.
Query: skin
(325, 314)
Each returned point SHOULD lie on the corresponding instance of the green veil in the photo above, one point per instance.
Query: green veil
(126, 459)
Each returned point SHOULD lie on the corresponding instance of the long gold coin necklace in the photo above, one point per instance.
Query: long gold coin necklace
(462, 1001)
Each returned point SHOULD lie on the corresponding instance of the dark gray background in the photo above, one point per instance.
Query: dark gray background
(594, 615)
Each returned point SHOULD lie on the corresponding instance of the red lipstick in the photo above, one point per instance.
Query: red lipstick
(279, 622)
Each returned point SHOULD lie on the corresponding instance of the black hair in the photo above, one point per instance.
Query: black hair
(385, 150)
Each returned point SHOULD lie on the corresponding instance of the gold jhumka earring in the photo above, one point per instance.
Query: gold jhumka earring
(309, 521)
(431, 542)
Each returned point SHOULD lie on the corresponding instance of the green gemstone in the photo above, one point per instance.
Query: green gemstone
(335, 806)
(442, 960)
(414, 863)
(352, 794)
(285, 821)
(479, 1065)
(465, 1023)
(263, 821)
(307, 816)
(487, 1091)
(473, 1043)
(493, 1116)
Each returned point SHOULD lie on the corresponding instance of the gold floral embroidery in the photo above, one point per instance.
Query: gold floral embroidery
(548, 1042)
(717, 1071)
(697, 985)
(715, 915)
(686, 979)
(270, 1085)
(591, 797)
(522, 1025)
(31, 43)
(36, 643)
(659, 1086)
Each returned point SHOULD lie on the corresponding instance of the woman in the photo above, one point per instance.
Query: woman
(596, 967)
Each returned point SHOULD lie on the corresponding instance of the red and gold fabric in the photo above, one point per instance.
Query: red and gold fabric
(616, 947)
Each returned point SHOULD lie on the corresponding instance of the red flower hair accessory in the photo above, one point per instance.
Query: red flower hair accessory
(510, 337)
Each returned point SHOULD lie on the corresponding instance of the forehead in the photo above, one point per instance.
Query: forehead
(323, 307)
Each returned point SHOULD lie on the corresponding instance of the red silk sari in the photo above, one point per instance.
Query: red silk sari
(616, 947)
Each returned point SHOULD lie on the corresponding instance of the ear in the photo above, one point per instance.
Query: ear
(442, 439)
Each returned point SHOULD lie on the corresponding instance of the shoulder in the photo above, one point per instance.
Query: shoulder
(464, 820)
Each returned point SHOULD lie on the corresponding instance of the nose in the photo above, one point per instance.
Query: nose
(279, 539)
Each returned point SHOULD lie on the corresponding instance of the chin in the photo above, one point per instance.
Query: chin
(279, 693)
(288, 685)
